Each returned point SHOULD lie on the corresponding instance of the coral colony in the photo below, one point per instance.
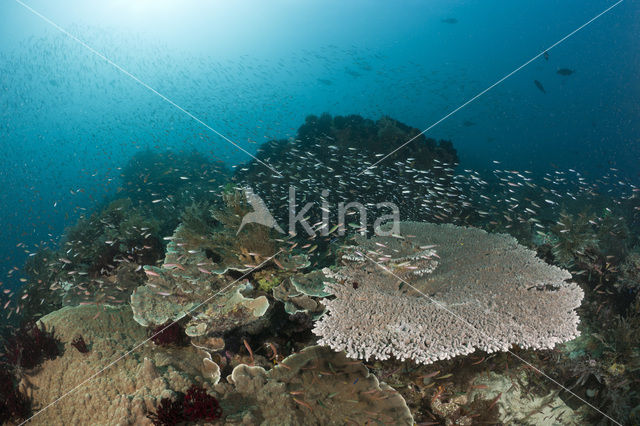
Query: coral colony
(330, 323)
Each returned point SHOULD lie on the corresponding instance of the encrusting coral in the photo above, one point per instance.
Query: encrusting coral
(120, 395)
(487, 292)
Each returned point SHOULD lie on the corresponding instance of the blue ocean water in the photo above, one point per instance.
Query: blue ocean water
(533, 87)
(253, 72)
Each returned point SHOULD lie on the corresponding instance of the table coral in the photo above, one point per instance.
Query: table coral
(486, 292)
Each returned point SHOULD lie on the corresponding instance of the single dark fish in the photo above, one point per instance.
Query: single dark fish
(546, 55)
(539, 86)
(449, 21)
(565, 71)
(325, 81)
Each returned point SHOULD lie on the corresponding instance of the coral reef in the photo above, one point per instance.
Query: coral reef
(176, 178)
(331, 152)
(30, 345)
(487, 292)
(13, 403)
(79, 343)
(198, 405)
(201, 275)
(120, 231)
(168, 412)
(123, 394)
(517, 406)
(195, 405)
(301, 293)
(167, 334)
(629, 280)
(574, 235)
(314, 386)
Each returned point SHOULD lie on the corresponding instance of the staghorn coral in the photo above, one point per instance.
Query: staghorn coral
(487, 292)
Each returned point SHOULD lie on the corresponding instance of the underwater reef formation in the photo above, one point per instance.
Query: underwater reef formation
(572, 237)
(203, 268)
(301, 293)
(170, 178)
(313, 386)
(13, 403)
(122, 394)
(30, 345)
(519, 406)
(483, 291)
(120, 231)
(195, 405)
(331, 153)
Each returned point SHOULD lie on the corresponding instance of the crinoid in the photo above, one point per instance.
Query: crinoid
(30, 345)
(199, 405)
